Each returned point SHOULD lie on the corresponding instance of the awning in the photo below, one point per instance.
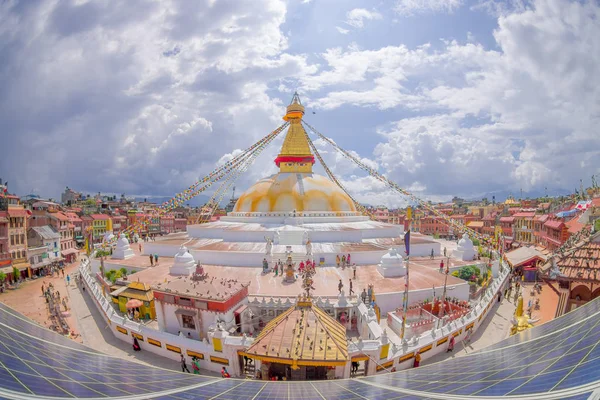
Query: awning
(189, 313)
(6, 270)
(69, 251)
(22, 266)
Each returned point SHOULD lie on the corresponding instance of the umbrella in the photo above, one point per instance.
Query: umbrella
(134, 303)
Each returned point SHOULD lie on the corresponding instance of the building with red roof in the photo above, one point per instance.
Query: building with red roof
(506, 223)
(101, 224)
(577, 272)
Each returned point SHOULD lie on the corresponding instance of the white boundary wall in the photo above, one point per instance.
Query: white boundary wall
(115, 321)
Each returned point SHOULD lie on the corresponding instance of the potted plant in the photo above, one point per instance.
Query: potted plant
(2, 279)
(16, 274)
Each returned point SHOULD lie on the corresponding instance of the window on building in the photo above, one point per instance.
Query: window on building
(187, 321)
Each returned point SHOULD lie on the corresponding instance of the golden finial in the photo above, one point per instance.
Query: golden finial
(295, 155)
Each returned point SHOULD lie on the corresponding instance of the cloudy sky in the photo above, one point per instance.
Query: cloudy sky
(445, 97)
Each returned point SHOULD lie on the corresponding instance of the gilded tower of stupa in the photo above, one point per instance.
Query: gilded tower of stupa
(295, 187)
(295, 155)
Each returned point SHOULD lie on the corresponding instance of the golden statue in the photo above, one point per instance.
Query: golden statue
(521, 321)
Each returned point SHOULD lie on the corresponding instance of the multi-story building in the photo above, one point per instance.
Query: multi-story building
(48, 237)
(523, 227)
(61, 223)
(538, 227)
(489, 223)
(41, 211)
(87, 227)
(167, 224)
(154, 225)
(381, 214)
(17, 235)
(78, 231)
(433, 225)
(555, 234)
(180, 224)
(101, 224)
(119, 223)
(5, 260)
(135, 219)
(38, 258)
(506, 223)
(69, 196)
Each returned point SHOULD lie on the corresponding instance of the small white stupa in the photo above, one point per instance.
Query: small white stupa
(391, 265)
(184, 263)
(123, 250)
(465, 250)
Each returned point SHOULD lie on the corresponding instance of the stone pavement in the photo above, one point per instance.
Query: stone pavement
(29, 301)
(492, 331)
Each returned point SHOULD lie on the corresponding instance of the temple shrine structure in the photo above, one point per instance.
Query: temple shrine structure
(287, 279)
(294, 211)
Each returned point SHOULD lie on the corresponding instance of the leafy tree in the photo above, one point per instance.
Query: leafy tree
(2, 277)
(468, 272)
(16, 274)
(476, 242)
(123, 271)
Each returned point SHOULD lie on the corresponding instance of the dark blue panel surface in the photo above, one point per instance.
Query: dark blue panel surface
(560, 355)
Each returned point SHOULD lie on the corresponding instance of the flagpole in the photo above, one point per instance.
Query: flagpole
(405, 296)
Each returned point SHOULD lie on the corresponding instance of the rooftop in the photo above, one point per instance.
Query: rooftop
(523, 254)
(212, 288)
(302, 334)
(46, 232)
(583, 261)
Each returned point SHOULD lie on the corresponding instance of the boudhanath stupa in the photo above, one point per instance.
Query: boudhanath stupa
(294, 211)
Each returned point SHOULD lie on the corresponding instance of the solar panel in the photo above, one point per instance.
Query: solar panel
(562, 355)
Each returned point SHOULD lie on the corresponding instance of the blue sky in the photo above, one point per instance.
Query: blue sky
(445, 97)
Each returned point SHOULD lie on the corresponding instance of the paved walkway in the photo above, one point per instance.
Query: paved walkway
(492, 331)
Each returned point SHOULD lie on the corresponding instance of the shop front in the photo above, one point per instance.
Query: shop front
(70, 255)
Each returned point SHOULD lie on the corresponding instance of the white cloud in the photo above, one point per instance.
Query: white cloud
(499, 8)
(342, 30)
(144, 97)
(523, 116)
(356, 17)
(126, 94)
(413, 7)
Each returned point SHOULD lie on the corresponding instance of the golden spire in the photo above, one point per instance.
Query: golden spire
(295, 155)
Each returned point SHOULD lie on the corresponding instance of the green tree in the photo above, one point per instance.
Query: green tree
(476, 242)
(468, 271)
(16, 274)
(2, 277)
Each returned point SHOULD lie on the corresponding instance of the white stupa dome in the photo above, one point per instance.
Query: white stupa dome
(286, 192)
(184, 256)
(391, 264)
(465, 242)
(122, 242)
(392, 258)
